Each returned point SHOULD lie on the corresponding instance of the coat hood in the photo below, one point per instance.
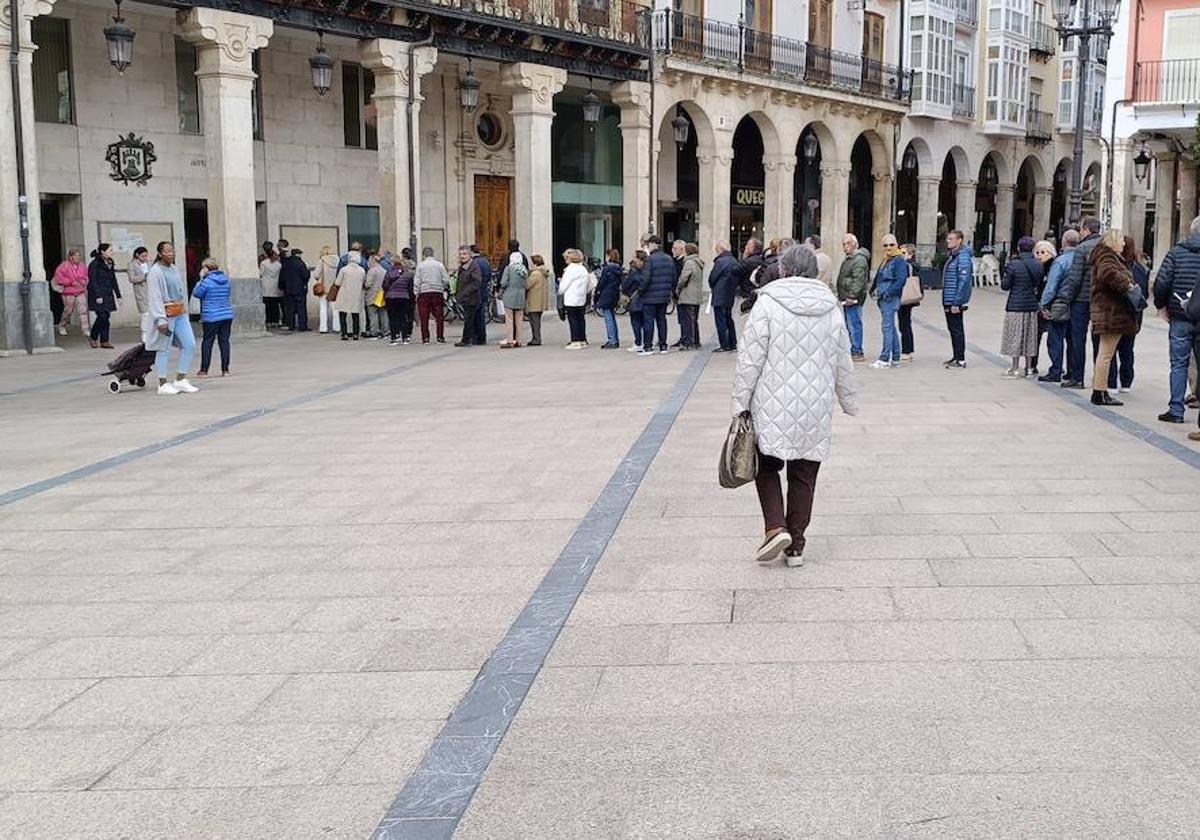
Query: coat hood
(865, 254)
(800, 295)
(217, 277)
(693, 258)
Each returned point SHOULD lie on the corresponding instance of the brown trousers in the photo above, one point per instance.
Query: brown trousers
(1104, 357)
(802, 487)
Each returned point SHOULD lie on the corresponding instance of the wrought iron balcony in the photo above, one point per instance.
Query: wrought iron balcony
(1039, 126)
(1167, 82)
(964, 101)
(601, 20)
(736, 46)
(966, 13)
(1044, 38)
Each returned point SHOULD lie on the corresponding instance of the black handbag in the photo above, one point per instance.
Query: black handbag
(1135, 298)
(1060, 311)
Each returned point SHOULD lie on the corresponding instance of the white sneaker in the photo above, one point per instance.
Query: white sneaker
(634, 349)
(793, 561)
(1125, 390)
(642, 352)
(663, 351)
(185, 387)
(62, 330)
(880, 364)
(168, 389)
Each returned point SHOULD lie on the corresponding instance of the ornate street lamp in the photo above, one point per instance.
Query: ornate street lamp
(119, 39)
(811, 147)
(320, 66)
(681, 127)
(591, 107)
(910, 160)
(1088, 24)
(1141, 165)
(468, 90)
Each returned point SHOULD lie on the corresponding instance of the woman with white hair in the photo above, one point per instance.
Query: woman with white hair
(512, 293)
(574, 290)
(794, 360)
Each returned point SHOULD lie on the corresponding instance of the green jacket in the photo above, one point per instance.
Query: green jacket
(852, 276)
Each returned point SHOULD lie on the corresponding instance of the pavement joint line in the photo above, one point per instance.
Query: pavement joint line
(45, 386)
(106, 464)
(1131, 427)
(436, 795)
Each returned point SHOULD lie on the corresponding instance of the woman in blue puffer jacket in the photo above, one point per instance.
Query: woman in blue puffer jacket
(216, 314)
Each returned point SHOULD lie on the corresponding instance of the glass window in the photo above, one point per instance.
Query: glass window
(187, 87)
(256, 103)
(52, 99)
(362, 225)
(359, 126)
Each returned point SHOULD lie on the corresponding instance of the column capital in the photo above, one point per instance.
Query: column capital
(633, 98)
(965, 183)
(532, 85)
(1005, 188)
(28, 10)
(783, 162)
(708, 155)
(388, 61)
(835, 169)
(235, 35)
(929, 180)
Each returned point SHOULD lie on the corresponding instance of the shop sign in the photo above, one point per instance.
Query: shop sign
(131, 159)
(749, 197)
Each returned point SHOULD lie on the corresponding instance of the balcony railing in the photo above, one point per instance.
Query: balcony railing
(1039, 126)
(737, 46)
(966, 13)
(1176, 81)
(604, 20)
(964, 101)
(1044, 37)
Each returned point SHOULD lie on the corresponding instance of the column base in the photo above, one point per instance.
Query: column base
(249, 315)
(12, 323)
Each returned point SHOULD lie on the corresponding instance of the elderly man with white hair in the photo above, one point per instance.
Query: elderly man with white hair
(851, 290)
(794, 360)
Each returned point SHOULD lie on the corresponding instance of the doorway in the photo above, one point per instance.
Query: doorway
(53, 249)
(493, 217)
(872, 79)
(195, 237)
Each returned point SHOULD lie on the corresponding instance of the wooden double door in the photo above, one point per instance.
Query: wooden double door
(493, 217)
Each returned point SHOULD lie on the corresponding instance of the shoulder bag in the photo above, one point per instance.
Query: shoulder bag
(739, 455)
(332, 294)
(913, 293)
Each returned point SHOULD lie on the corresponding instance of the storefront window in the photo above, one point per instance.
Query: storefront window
(586, 175)
(362, 226)
(52, 96)
(187, 87)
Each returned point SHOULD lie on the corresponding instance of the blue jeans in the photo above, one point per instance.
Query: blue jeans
(854, 325)
(1182, 341)
(610, 325)
(1056, 337)
(181, 334)
(888, 309)
(726, 332)
(1081, 316)
(654, 314)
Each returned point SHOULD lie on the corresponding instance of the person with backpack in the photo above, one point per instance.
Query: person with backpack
(1022, 278)
(216, 314)
(512, 294)
(398, 294)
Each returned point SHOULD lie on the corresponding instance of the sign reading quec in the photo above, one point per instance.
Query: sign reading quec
(749, 197)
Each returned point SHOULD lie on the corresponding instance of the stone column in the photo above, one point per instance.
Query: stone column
(388, 61)
(12, 264)
(964, 209)
(835, 207)
(1041, 212)
(927, 209)
(716, 162)
(779, 214)
(1122, 187)
(1187, 197)
(881, 212)
(1164, 205)
(225, 42)
(533, 87)
(1004, 216)
(636, 137)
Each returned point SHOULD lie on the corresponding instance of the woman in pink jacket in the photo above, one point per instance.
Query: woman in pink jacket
(71, 279)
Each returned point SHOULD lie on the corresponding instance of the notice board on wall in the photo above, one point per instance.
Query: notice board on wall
(310, 239)
(125, 237)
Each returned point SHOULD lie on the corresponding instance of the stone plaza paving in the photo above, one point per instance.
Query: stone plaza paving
(253, 611)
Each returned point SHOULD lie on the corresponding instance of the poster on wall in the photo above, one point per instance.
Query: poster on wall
(125, 237)
(310, 239)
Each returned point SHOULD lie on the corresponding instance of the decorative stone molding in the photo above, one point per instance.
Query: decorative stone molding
(634, 97)
(927, 180)
(835, 170)
(536, 84)
(386, 58)
(236, 35)
(29, 9)
(782, 162)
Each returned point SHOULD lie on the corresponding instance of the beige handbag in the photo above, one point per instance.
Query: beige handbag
(913, 293)
(739, 455)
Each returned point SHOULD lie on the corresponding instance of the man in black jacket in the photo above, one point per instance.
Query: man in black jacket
(468, 291)
(293, 283)
(1076, 290)
(1178, 278)
(724, 286)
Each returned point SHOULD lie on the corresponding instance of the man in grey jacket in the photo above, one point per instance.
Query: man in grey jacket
(430, 282)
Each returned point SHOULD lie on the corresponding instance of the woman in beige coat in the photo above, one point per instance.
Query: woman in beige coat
(351, 279)
(325, 273)
(535, 297)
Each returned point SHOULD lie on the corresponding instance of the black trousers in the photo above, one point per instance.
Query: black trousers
(470, 323)
(100, 326)
(350, 317)
(958, 335)
(689, 324)
(481, 319)
(654, 315)
(577, 323)
(275, 308)
(217, 331)
(295, 313)
(906, 333)
(400, 317)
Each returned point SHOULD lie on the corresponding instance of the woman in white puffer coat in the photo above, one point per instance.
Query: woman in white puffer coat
(794, 358)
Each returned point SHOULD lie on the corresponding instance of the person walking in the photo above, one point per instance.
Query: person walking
(608, 292)
(166, 322)
(268, 275)
(324, 277)
(137, 270)
(375, 314)
(631, 286)
(512, 294)
(1177, 280)
(958, 276)
(216, 315)
(690, 296)
(907, 342)
(467, 292)
(852, 291)
(574, 290)
(1075, 291)
(431, 281)
(889, 286)
(1056, 313)
(1023, 277)
(71, 277)
(1111, 315)
(102, 294)
(350, 281)
(536, 285)
(657, 282)
(723, 285)
(1120, 373)
(795, 360)
(293, 283)
(398, 294)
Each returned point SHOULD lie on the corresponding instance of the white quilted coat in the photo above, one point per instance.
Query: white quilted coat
(794, 357)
